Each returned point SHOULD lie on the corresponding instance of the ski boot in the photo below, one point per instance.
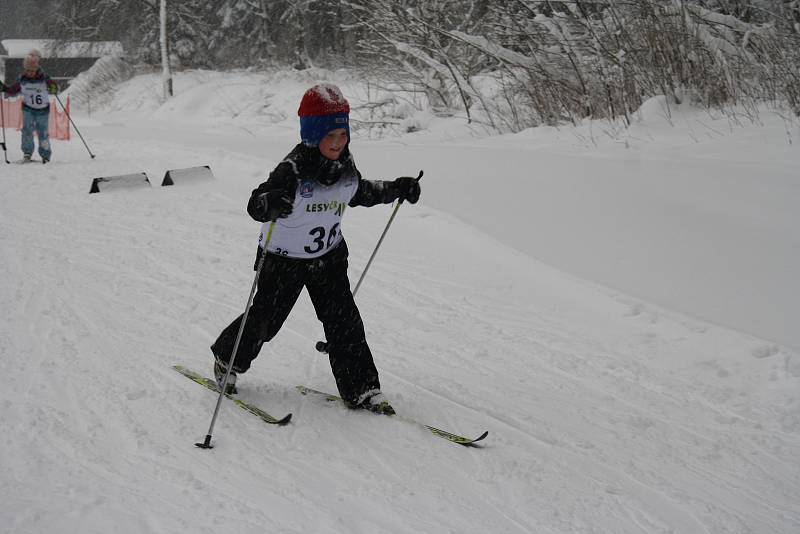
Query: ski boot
(220, 368)
(374, 401)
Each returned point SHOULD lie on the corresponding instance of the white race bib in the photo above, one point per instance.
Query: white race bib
(35, 94)
(314, 226)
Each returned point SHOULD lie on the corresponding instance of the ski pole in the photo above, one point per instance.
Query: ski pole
(3, 120)
(322, 346)
(207, 443)
(74, 126)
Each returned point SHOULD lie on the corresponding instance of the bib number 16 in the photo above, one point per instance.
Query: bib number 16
(319, 234)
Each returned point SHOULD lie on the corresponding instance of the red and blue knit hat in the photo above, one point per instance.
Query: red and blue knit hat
(322, 109)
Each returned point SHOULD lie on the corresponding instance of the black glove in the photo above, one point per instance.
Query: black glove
(271, 205)
(407, 189)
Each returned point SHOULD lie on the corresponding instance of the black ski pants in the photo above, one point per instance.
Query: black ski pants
(279, 285)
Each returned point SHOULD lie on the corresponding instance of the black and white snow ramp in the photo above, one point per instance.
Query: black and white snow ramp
(190, 174)
(123, 181)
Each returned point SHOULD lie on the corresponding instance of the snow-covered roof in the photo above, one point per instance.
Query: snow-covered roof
(63, 49)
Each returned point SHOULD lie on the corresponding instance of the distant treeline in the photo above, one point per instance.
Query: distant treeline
(508, 63)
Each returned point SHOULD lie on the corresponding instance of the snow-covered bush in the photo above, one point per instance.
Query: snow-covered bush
(95, 87)
(564, 61)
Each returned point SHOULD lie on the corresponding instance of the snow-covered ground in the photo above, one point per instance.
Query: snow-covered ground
(617, 309)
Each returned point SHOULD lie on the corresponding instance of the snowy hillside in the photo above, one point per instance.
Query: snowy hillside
(618, 311)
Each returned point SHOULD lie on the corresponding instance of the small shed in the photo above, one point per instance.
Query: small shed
(61, 60)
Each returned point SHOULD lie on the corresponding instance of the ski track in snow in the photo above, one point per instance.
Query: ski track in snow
(605, 414)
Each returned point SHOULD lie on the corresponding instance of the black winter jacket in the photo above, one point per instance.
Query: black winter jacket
(307, 162)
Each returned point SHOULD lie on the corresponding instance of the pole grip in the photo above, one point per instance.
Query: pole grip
(419, 177)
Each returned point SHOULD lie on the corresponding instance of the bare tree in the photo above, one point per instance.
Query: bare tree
(166, 71)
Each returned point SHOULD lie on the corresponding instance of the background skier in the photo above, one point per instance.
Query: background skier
(306, 195)
(35, 87)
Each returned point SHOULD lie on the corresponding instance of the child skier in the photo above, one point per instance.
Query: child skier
(35, 87)
(306, 195)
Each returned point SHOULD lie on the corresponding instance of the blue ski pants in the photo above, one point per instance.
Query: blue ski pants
(36, 121)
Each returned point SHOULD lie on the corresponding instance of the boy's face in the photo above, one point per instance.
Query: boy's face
(332, 145)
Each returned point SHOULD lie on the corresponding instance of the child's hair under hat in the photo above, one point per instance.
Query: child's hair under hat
(322, 109)
(31, 60)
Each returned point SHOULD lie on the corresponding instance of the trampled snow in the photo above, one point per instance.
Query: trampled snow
(616, 307)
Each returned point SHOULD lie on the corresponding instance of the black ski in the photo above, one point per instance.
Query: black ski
(212, 385)
(449, 436)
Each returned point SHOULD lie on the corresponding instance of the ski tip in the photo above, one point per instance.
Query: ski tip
(473, 442)
(284, 421)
